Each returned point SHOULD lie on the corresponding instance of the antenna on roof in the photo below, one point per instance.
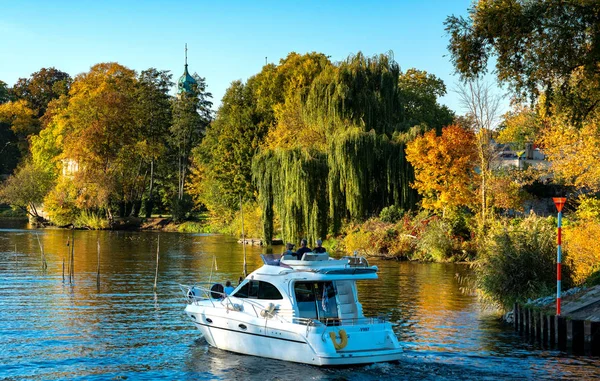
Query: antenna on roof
(186, 54)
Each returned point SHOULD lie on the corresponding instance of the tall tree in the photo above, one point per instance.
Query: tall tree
(4, 96)
(482, 106)
(100, 134)
(42, 87)
(540, 46)
(153, 113)
(191, 114)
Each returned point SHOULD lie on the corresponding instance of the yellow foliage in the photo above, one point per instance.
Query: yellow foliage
(582, 254)
(444, 167)
(574, 152)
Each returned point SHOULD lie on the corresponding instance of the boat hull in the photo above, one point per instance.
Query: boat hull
(236, 332)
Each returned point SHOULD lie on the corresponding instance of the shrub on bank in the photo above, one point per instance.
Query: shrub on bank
(581, 253)
(436, 242)
(518, 261)
(91, 220)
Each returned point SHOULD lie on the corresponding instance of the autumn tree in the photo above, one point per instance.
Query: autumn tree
(520, 126)
(22, 121)
(444, 167)
(574, 152)
(100, 135)
(42, 87)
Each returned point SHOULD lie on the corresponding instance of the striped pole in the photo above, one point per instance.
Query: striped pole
(559, 202)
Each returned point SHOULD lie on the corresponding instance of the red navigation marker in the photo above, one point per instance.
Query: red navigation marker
(559, 202)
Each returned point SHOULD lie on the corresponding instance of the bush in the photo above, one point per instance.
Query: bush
(581, 255)
(436, 242)
(91, 221)
(517, 262)
(391, 214)
(180, 208)
(194, 227)
(60, 203)
(588, 209)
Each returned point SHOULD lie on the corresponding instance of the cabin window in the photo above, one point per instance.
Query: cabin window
(267, 291)
(255, 289)
(316, 300)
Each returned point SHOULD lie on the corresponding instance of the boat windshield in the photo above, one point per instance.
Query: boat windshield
(256, 289)
(316, 300)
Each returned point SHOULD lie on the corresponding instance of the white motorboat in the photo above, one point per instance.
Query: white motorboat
(304, 311)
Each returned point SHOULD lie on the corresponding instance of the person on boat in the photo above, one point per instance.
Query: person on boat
(319, 248)
(289, 249)
(228, 288)
(303, 248)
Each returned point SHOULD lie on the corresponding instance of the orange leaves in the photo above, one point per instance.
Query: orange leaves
(444, 167)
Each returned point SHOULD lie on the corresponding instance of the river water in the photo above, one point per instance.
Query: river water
(121, 329)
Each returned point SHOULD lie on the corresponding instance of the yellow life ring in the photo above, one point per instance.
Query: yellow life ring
(343, 340)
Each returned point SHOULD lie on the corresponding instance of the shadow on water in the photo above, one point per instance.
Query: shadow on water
(122, 329)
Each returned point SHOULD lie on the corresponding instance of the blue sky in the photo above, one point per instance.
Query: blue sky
(226, 40)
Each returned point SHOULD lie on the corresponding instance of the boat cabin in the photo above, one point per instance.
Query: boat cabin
(315, 287)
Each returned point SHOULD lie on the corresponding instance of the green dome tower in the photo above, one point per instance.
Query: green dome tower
(186, 81)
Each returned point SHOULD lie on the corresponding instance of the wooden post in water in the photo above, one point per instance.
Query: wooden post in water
(72, 258)
(157, 256)
(98, 266)
(16, 256)
(243, 238)
(43, 255)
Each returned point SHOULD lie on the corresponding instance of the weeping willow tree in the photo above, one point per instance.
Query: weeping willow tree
(367, 172)
(336, 152)
(293, 183)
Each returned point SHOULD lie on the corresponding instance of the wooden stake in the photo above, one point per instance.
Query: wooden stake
(98, 267)
(157, 256)
(72, 259)
(243, 238)
(44, 264)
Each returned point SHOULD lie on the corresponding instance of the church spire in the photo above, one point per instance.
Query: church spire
(186, 81)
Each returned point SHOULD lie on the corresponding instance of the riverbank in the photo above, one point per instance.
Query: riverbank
(576, 329)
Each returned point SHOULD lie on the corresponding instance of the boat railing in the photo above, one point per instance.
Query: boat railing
(196, 293)
(340, 322)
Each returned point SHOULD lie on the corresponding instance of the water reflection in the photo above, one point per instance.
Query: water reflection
(121, 328)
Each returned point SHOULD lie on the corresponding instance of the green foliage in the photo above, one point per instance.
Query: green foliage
(91, 220)
(517, 262)
(3, 92)
(538, 45)
(194, 227)
(391, 214)
(593, 279)
(181, 207)
(435, 243)
(293, 184)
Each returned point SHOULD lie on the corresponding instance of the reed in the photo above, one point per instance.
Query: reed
(157, 257)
